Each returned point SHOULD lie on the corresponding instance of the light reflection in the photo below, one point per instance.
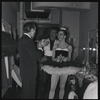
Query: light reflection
(93, 49)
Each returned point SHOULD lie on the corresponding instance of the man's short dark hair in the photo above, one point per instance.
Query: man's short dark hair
(55, 28)
(28, 26)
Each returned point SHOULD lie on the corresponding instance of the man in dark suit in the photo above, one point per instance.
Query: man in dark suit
(29, 55)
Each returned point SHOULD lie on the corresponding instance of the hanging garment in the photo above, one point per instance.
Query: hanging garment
(8, 45)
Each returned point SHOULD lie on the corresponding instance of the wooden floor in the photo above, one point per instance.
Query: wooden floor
(14, 92)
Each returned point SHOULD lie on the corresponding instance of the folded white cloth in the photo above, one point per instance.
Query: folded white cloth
(15, 73)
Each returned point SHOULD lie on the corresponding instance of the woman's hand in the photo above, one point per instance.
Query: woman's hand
(44, 59)
(64, 59)
(59, 58)
(56, 59)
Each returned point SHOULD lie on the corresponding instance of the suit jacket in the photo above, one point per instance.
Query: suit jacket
(29, 55)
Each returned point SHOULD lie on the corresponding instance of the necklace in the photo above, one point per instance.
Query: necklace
(62, 46)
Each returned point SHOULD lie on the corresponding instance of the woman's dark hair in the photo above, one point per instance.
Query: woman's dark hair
(28, 26)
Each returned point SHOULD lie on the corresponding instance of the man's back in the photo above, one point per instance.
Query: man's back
(27, 53)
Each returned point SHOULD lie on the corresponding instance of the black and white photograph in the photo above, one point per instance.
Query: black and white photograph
(49, 50)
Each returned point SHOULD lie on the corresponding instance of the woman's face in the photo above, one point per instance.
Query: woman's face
(61, 36)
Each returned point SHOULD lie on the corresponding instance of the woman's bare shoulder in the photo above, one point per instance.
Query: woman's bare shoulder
(69, 46)
(55, 46)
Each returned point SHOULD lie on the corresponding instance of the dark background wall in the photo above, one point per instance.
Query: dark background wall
(88, 21)
(9, 12)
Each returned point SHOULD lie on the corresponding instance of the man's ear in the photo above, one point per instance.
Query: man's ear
(64, 36)
(32, 30)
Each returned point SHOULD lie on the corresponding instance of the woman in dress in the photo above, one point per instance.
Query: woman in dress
(60, 65)
(60, 58)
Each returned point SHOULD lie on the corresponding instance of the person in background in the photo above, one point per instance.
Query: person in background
(29, 55)
(50, 35)
(53, 32)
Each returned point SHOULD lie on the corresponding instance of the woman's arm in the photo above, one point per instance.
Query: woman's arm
(70, 52)
(53, 53)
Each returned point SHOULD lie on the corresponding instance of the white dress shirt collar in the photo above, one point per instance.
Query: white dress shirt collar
(27, 35)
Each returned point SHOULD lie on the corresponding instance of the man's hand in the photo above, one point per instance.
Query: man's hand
(44, 59)
(41, 43)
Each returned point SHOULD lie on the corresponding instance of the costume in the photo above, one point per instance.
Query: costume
(53, 67)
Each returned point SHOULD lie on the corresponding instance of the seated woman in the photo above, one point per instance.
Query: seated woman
(60, 66)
